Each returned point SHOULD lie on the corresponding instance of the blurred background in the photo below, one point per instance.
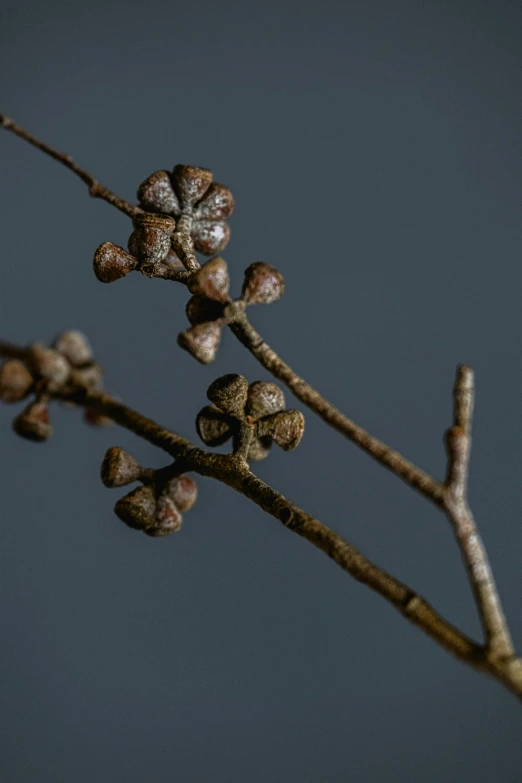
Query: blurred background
(374, 151)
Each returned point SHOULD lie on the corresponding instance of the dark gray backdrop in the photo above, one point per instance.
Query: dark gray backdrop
(374, 152)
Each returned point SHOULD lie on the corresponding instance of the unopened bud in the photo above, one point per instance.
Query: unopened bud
(15, 381)
(137, 509)
(211, 280)
(213, 427)
(264, 399)
(119, 468)
(112, 262)
(287, 428)
(200, 309)
(210, 236)
(217, 204)
(229, 393)
(263, 284)
(183, 491)
(202, 341)
(33, 423)
(49, 364)
(259, 449)
(150, 240)
(75, 347)
(190, 183)
(156, 194)
(167, 518)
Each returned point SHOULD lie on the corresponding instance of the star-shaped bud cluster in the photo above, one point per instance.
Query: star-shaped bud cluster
(43, 372)
(156, 506)
(259, 405)
(209, 286)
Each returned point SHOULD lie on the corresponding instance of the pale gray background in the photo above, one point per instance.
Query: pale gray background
(374, 150)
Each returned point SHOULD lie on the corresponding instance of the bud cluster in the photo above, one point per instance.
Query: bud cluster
(43, 372)
(259, 405)
(156, 506)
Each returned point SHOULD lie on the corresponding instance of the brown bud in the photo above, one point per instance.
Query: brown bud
(263, 284)
(75, 347)
(201, 340)
(156, 194)
(211, 280)
(91, 377)
(217, 204)
(213, 427)
(200, 309)
(150, 240)
(119, 468)
(167, 518)
(49, 364)
(286, 428)
(190, 183)
(259, 449)
(229, 393)
(15, 381)
(112, 262)
(137, 509)
(96, 419)
(210, 236)
(33, 423)
(264, 398)
(183, 491)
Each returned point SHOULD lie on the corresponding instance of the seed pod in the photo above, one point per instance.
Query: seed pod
(150, 240)
(119, 468)
(167, 518)
(213, 427)
(49, 364)
(259, 449)
(211, 280)
(112, 262)
(202, 341)
(137, 509)
(286, 428)
(15, 381)
(183, 491)
(91, 377)
(229, 393)
(264, 399)
(96, 419)
(217, 204)
(263, 284)
(33, 423)
(210, 236)
(156, 194)
(190, 183)
(75, 347)
(200, 309)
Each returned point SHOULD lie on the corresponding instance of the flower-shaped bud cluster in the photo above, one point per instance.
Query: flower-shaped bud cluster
(205, 310)
(156, 506)
(44, 372)
(189, 190)
(259, 406)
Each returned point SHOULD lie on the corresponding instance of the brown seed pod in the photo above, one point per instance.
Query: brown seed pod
(150, 240)
(15, 381)
(156, 194)
(211, 280)
(183, 491)
(138, 508)
(229, 393)
(119, 468)
(210, 236)
(259, 449)
(49, 365)
(217, 204)
(96, 419)
(111, 262)
(264, 399)
(213, 426)
(201, 340)
(75, 347)
(200, 309)
(263, 284)
(167, 518)
(34, 423)
(286, 428)
(91, 377)
(190, 183)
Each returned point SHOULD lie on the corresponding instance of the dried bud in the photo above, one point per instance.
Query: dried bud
(15, 381)
(156, 194)
(286, 428)
(201, 340)
(200, 309)
(150, 240)
(211, 280)
(259, 449)
(96, 419)
(91, 377)
(119, 468)
(263, 284)
(112, 262)
(229, 393)
(213, 427)
(49, 364)
(183, 491)
(75, 347)
(33, 423)
(190, 183)
(217, 204)
(264, 399)
(167, 518)
(210, 236)
(137, 509)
